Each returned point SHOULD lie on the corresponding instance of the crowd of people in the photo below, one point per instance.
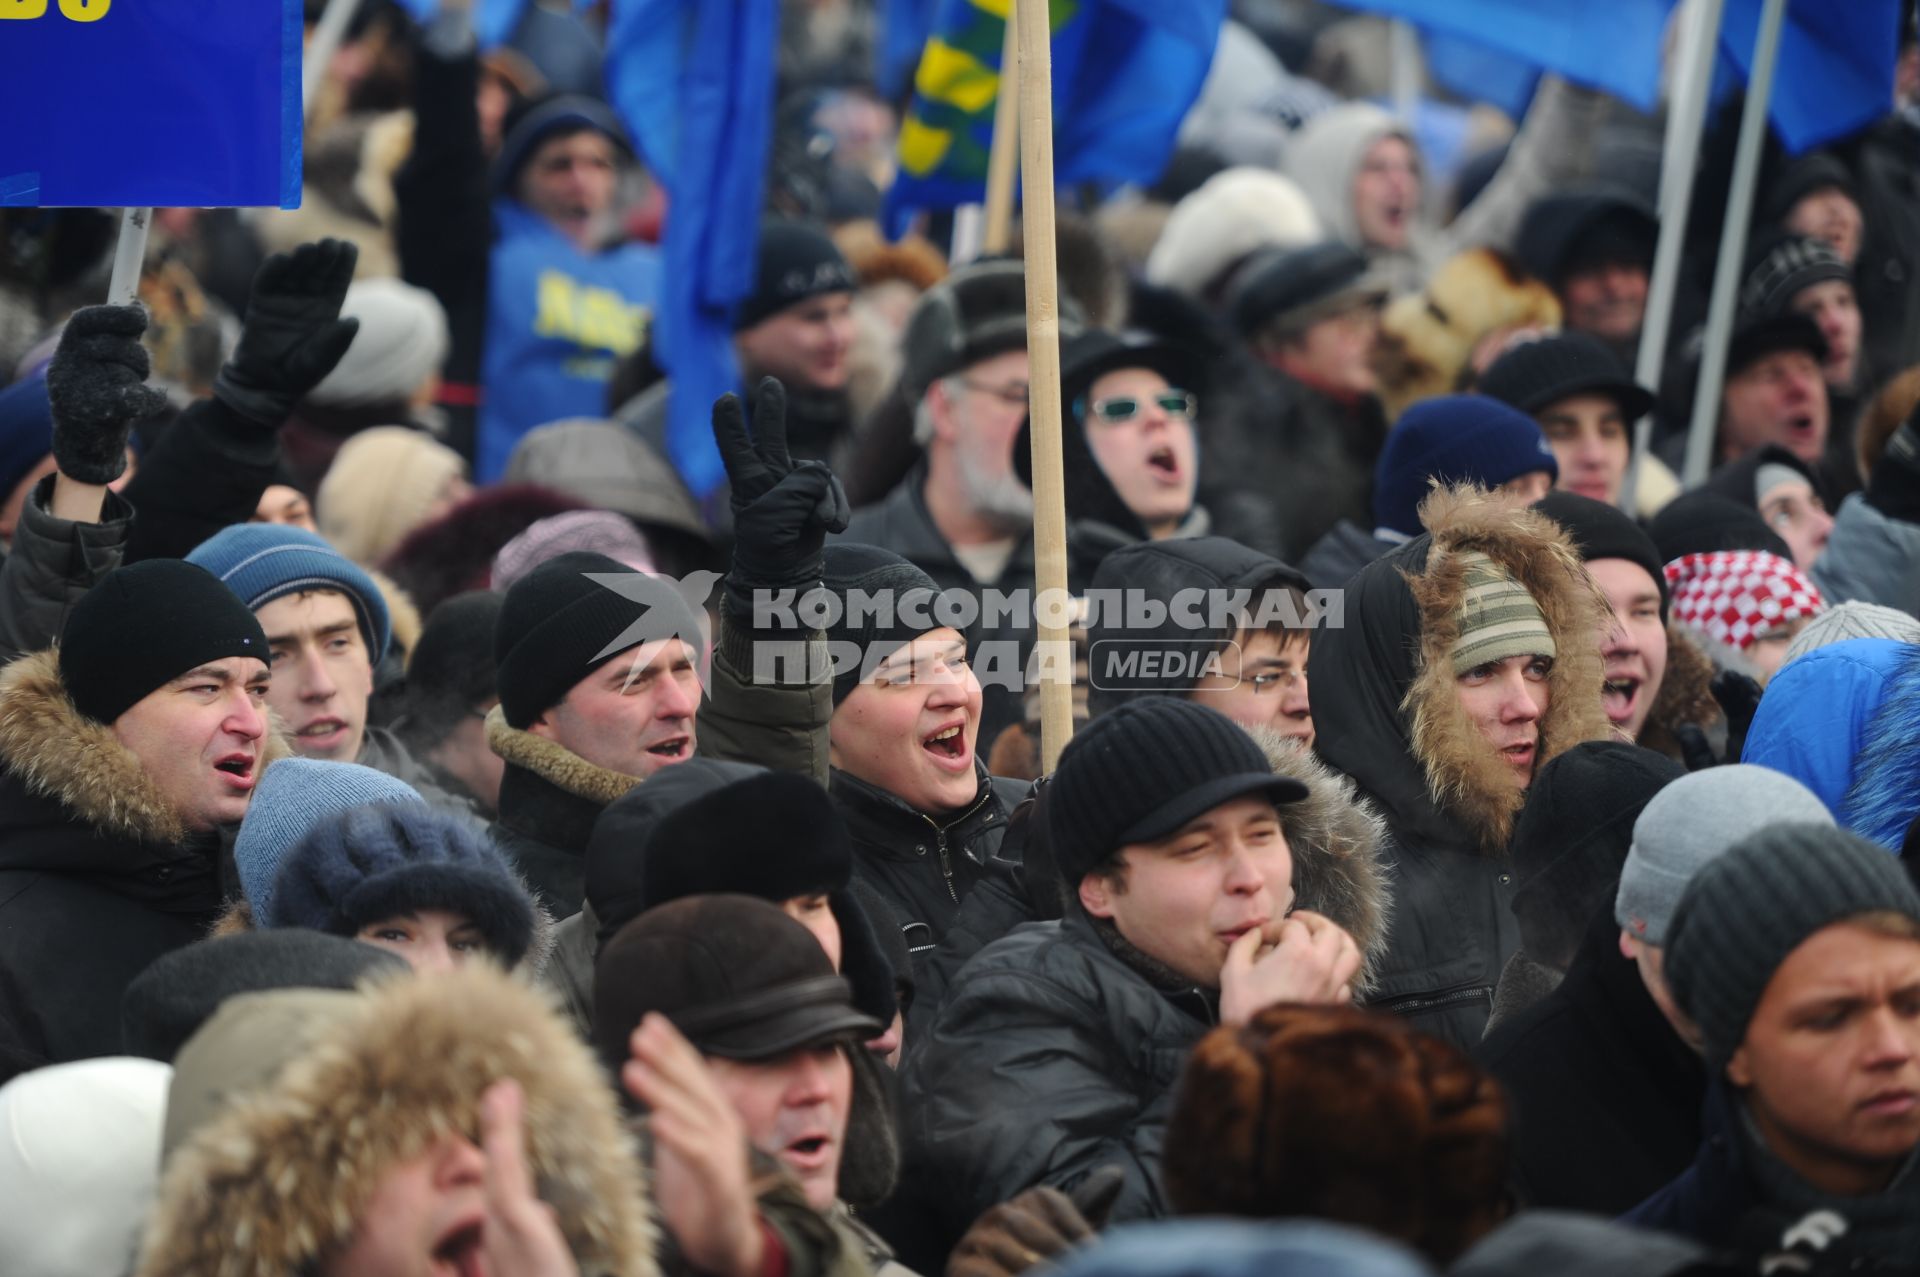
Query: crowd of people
(441, 831)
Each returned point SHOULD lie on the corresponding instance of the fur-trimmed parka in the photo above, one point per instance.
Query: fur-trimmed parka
(279, 1179)
(1388, 715)
(98, 875)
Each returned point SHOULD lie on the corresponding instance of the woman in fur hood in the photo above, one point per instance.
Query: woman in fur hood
(1467, 658)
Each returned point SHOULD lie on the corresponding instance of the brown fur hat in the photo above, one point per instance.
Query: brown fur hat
(1341, 1114)
(1427, 339)
(1883, 415)
(279, 1177)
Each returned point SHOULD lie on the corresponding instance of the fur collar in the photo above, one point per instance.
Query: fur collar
(1335, 838)
(277, 1180)
(1462, 777)
(1685, 698)
(555, 764)
(59, 753)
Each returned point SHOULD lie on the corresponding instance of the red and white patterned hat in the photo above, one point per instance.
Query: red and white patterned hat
(1737, 596)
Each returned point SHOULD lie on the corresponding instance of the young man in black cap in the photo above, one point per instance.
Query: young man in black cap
(1059, 1048)
(1797, 954)
(120, 763)
(1585, 401)
(1595, 250)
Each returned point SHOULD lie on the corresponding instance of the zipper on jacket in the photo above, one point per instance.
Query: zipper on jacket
(940, 837)
(1432, 1002)
(946, 863)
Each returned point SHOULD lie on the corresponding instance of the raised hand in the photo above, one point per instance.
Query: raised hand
(1313, 961)
(293, 334)
(782, 509)
(97, 386)
(521, 1237)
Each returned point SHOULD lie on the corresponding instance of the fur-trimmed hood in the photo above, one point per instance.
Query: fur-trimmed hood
(1385, 705)
(1883, 801)
(57, 752)
(1335, 839)
(554, 763)
(279, 1177)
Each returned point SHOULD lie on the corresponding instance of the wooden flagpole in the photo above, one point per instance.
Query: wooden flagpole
(1055, 650)
(1000, 160)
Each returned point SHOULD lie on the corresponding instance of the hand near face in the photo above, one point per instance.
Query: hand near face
(521, 1238)
(1312, 960)
(701, 1183)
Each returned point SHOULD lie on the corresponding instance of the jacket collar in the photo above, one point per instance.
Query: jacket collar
(549, 792)
(877, 818)
(1202, 1004)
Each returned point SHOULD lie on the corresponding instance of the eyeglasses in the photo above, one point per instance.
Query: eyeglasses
(1119, 409)
(1014, 396)
(1276, 681)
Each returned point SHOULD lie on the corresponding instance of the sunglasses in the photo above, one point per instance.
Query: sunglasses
(1119, 409)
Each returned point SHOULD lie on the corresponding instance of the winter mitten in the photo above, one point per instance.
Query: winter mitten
(782, 510)
(97, 387)
(293, 334)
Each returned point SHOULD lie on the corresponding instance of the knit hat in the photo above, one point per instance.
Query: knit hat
(1293, 288)
(1755, 336)
(975, 313)
(182, 617)
(168, 1002)
(369, 863)
(609, 467)
(1139, 772)
(1572, 836)
(599, 531)
(797, 263)
(261, 562)
(450, 672)
(79, 1164)
(1742, 916)
(401, 343)
(885, 603)
(1737, 596)
(1217, 227)
(294, 795)
(1453, 439)
(530, 123)
(1535, 375)
(380, 487)
(1602, 531)
(1802, 176)
(1702, 521)
(1691, 822)
(1854, 619)
(1497, 617)
(1242, 1248)
(1781, 265)
(738, 977)
(570, 616)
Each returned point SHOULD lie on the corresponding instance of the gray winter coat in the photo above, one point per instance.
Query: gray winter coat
(1871, 558)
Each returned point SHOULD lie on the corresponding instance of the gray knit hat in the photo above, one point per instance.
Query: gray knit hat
(1744, 913)
(1852, 620)
(1693, 821)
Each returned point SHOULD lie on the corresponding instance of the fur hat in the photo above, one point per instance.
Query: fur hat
(1342, 1114)
(1219, 226)
(1427, 339)
(380, 486)
(450, 671)
(454, 553)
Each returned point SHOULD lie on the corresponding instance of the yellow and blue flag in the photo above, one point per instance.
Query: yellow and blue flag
(1124, 74)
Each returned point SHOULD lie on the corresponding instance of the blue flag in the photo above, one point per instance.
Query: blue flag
(694, 82)
(1124, 74)
(493, 20)
(1835, 74)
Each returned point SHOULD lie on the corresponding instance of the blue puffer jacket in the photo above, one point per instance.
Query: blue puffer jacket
(1815, 716)
(1883, 800)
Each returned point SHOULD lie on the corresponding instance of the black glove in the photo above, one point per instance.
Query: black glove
(782, 510)
(1893, 487)
(97, 386)
(1739, 698)
(1037, 1226)
(293, 334)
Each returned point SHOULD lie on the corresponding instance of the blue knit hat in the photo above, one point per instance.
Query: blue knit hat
(293, 796)
(1455, 439)
(370, 863)
(262, 562)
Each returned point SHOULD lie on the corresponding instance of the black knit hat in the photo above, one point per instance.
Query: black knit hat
(615, 860)
(1294, 287)
(559, 624)
(1602, 531)
(1159, 573)
(365, 864)
(1801, 177)
(1534, 375)
(1780, 265)
(168, 1002)
(1755, 336)
(1704, 522)
(738, 977)
(885, 603)
(1571, 839)
(797, 262)
(451, 671)
(1143, 770)
(1561, 235)
(1748, 908)
(146, 624)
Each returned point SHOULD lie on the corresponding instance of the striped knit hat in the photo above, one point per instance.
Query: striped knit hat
(1498, 618)
(1737, 596)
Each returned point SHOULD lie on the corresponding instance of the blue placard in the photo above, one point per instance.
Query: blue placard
(131, 103)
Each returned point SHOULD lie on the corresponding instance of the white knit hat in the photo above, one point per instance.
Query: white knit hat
(1233, 213)
(402, 341)
(1853, 620)
(79, 1162)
